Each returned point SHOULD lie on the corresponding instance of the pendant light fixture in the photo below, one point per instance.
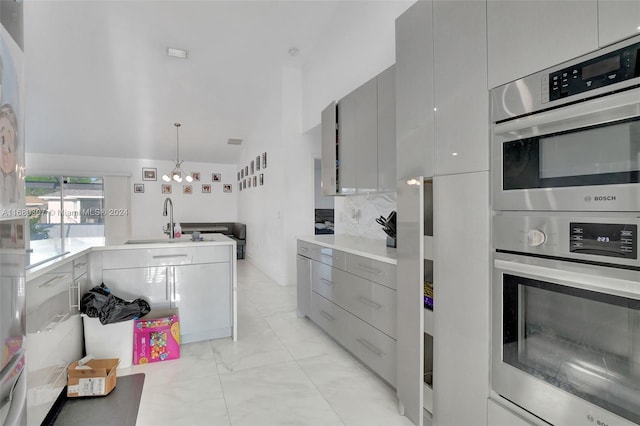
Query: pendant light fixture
(177, 173)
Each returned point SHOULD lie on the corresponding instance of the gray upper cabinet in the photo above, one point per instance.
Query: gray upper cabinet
(329, 169)
(414, 91)
(617, 20)
(358, 136)
(361, 157)
(461, 97)
(387, 130)
(527, 36)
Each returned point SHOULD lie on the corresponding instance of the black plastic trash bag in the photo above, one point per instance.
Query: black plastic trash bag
(101, 303)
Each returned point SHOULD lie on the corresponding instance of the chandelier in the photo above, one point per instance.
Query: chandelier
(177, 173)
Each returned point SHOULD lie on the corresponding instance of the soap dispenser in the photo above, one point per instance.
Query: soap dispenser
(177, 231)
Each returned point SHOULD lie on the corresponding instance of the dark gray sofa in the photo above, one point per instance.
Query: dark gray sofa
(235, 230)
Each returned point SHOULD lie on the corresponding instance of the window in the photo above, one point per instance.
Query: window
(60, 208)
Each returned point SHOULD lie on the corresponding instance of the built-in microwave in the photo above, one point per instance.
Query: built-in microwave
(568, 138)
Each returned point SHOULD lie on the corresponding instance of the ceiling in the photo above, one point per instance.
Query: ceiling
(98, 81)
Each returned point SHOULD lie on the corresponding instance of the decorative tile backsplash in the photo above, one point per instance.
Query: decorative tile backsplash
(356, 214)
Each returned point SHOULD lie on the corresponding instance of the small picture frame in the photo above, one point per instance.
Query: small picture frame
(246, 170)
(244, 183)
(206, 188)
(239, 186)
(138, 188)
(249, 182)
(255, 181)
(195, 176)
(149, 173)
(261, 178)
(187, 189)
(264, 160)
(166, 188)
(226, 188)
(216, 177)
(251, 167)
(258, 162)
(238, 177)
(242, 173)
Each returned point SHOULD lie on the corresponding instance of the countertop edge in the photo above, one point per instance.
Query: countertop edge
(345, 248)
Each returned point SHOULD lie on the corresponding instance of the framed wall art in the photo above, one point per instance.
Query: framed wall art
(138, 188)
(251, 167)
(264, 160)
(255, 181)
(261, 178)
(246, 170)
(258, 162)
(149, 173)
(216, 177)
(195, 176)
(206, 188)
(226, 188)
(166, 188)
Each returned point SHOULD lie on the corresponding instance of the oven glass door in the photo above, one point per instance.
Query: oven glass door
(603, 154)
(583, 342)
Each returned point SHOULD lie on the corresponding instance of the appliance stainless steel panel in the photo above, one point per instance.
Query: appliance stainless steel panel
(565, 342)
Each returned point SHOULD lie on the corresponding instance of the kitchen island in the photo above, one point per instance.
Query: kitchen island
(197, 277)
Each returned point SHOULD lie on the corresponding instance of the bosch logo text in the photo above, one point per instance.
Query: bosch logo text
(600, 198)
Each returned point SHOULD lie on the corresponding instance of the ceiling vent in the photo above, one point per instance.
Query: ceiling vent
(177, 53)
(234, 141)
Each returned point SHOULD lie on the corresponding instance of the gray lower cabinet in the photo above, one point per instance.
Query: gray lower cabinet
(357, 312)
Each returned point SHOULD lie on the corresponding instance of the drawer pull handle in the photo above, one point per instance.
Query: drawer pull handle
(369, 303)
(53, 322)
(304, 249)
(327, 315)
(371, 347)
(80, 265)
(326, 255)
(165, 256)
(326, 281)
(370, 270)
(53, 281)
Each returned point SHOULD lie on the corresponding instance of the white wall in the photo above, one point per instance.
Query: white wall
(146, 209)
(359, 45)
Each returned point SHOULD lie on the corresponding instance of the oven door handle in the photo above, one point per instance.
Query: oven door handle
(610, 285)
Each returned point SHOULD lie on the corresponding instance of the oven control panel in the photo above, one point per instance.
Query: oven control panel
(613, 67)
(603, 239)
(580, 236)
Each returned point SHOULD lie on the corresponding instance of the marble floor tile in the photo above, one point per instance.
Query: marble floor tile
(276, 395)
(301, 337)
(283, 370)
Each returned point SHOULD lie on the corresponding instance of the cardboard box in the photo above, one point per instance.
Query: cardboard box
(93, 377)
(156, 336)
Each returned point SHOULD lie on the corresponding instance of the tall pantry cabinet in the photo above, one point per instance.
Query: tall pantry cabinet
(443, 212)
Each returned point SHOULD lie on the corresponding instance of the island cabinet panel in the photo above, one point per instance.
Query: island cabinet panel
(196, 280)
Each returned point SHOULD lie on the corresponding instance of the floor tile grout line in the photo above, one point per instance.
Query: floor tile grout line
(224, 397)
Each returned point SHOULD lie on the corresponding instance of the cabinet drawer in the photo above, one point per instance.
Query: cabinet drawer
(141, 258)
(211, 254)
(371, 302)
(329, 316)
(322, 254)
(80, 266)
(374, 348)
(42, 290)
(115, 259)
(373, 270)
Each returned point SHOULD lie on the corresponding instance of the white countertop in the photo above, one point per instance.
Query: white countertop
(46, 254)
(367, 247)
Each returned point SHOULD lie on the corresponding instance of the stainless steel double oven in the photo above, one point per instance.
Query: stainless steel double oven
(566, 273)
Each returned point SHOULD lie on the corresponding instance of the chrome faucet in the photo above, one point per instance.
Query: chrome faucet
(164, 213)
